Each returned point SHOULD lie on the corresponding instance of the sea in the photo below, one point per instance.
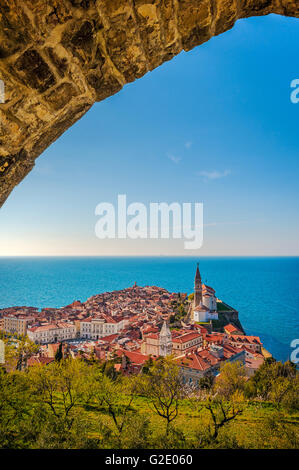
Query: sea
(265, 291)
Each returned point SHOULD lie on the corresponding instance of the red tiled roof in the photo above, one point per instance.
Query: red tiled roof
(204, 359)
(153, 336)
(198, 360)
(50, 326)
(208, 288)
(251, 352)
(229, 350)
(134, 356)
(214, 337)
(230, 328)
(39, 360)
(202, 329)
(245, 339)
(186, 337)
(108, 338)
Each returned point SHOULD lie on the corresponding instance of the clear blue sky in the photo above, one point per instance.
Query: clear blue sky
(214, 125)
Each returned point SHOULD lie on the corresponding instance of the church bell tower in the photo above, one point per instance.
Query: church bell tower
(197, 288)
(165, 340)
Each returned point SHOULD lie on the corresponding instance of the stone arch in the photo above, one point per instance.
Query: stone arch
(58, 57)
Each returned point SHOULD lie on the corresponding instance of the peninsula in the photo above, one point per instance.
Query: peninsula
(200, 331)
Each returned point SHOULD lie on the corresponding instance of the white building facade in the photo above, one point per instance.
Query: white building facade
(209, 299)
(204, 314)
(95, 328)
(52, 333)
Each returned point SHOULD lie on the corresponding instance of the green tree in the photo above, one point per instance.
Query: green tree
(16, 410)
(116, 396)
(206, 382)
(231, 379)
(181, 311)
(163, 386)
(108, 369)
(18, 351)
(59, 353)
(222, 411)
(147, 365)
(61, 386)
(262, 383)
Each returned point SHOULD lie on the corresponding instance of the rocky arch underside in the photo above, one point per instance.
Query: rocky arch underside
(58, 57)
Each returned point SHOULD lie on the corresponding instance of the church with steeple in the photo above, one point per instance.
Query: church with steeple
(204, 306)
(197, 288)
(158, 344)
(165, 340)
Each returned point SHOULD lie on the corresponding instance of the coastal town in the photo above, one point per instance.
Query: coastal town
(133, 325)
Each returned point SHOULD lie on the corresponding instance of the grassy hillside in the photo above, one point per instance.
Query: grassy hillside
(249, 430)
(77, 404)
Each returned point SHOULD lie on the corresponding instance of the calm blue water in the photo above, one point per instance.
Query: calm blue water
(265, 291)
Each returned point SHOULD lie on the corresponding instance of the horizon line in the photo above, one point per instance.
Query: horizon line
(152, 256)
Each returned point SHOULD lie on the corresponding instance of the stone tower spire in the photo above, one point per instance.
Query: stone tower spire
(197, 288)
(165, 340)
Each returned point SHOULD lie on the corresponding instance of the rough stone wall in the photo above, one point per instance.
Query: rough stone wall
(57, 57)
